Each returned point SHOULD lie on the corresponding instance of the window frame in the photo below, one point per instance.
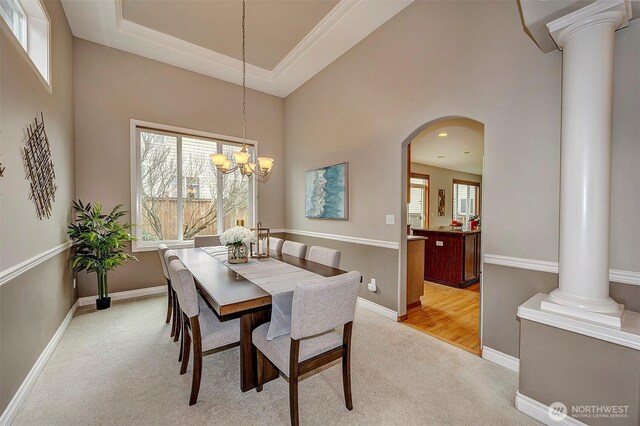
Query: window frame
(453, 198)
(36, 16)
(136, 184)
(427, 195)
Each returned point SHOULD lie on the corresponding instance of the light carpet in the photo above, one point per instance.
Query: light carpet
(119, 367)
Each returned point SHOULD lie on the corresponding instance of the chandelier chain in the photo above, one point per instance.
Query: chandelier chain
(244, 77)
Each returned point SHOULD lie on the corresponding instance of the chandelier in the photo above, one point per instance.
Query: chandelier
(241, 160)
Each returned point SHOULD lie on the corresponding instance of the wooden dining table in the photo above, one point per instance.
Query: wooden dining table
(230, 296)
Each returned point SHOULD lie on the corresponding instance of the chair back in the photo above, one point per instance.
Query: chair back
(185, 288)
(169, 255)
(323, 304)
(162, 248)
(294, 249)
(275, 244)
(206, 240)
(326, 256)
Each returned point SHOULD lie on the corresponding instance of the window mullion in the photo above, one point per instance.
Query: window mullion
(219, 197)
(179, 218)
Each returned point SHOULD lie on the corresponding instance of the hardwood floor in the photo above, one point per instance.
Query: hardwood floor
(450, 314)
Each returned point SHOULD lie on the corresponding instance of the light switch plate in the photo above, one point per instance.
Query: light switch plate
(391, 219)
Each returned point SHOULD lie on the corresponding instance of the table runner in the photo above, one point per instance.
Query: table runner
(276, 278)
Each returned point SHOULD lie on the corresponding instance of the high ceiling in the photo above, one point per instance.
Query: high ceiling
(273, 27)
(461, 149)
(288, 41)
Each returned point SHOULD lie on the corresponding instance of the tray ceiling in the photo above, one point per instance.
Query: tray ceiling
(288, 41)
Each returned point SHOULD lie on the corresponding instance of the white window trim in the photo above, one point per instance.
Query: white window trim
(135, 211)
(46, 82)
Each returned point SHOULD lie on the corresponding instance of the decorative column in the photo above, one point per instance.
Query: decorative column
(587, 38)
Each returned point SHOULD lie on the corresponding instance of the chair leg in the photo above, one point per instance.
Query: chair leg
(186, 348)
(178, 322)
(197, 360)
(174, 314)
(181, 350)
(293, 381)
(260, 372)
(169, 302)
(346, 365)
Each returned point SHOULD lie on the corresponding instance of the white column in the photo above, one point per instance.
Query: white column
(587, 38)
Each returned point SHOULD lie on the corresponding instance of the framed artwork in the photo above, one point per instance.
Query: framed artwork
(441, 202)
(326, 192)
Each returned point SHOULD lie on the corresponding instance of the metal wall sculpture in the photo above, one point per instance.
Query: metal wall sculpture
(39, 169)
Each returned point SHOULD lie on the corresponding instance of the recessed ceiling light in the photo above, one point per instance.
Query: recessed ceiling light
(467, 152)
(440, 156)
(443, 134)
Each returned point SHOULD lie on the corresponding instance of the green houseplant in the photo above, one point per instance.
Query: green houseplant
(99, 241)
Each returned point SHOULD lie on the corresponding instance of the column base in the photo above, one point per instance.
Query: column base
(602, 311)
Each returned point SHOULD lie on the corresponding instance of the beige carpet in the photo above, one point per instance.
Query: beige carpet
(119, 367)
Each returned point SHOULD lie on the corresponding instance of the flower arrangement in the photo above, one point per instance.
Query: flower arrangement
(236, 236)
(237, 239)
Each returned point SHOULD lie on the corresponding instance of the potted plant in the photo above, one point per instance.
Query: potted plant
(237, 240)
(99, 241)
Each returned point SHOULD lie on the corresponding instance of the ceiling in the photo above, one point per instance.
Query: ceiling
(288, 41)
(273, 27)
(463, 135)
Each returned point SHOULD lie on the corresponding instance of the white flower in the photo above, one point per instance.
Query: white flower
(237, 234)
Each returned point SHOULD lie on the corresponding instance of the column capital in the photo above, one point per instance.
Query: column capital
(615, 12)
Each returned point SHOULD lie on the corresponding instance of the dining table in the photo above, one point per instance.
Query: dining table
(230, 296)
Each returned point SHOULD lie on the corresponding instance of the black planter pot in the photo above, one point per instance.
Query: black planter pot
(104, 303)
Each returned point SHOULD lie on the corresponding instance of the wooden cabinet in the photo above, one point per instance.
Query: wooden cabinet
(451, 257)
(415, 270)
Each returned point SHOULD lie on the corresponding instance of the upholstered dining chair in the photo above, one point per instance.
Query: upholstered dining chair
(167, 257)
(162, 248)
(275, 244)
(326, 256)
(200, 325)
(206, 240)
(294, 249)
(319, 306)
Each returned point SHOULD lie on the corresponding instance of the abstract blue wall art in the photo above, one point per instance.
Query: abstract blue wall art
(327, 192)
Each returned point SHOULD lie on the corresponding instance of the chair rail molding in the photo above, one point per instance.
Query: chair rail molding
(615, 275)
(345, 238)
(22, 267)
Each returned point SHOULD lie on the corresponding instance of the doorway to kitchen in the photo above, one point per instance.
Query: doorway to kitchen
(443, 251)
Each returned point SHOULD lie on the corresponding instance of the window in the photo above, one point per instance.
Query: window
(418, 208)
(466, 200)
(27, 23)
(178, 192)
(15, 18)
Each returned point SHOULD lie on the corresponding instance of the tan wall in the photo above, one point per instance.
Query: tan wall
(33, 305)
(113, 87)
(440, 178)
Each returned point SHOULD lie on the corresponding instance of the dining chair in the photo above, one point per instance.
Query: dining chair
(319, 306)
(326, 256)
(162, 248)
(275, 244)
(176, 327)
(294, 249)
(200, 325)
(206, 240)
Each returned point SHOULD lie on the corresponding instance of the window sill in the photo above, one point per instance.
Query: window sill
(139, 248)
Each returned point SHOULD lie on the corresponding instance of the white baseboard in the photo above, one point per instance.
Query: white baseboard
(28, 382)
(378, 309)
(540, 412)
(500, 358)
(129, 294)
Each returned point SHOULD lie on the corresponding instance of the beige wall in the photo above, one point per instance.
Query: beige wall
(440, 178)
(33, 305)
(113, 87)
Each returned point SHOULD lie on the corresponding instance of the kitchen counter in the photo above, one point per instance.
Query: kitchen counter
(415, 237)
(447, 229)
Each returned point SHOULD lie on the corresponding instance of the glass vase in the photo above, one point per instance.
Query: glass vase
(238, 253)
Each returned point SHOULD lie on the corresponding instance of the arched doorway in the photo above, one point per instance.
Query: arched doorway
(441, 242)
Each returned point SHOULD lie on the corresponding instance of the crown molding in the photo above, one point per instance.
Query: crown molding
(343, 27)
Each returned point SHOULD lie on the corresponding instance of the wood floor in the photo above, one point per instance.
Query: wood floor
(450, 314)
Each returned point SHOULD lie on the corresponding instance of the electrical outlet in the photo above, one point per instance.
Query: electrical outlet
(74, 283)
(372, 285)
(391, 219)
